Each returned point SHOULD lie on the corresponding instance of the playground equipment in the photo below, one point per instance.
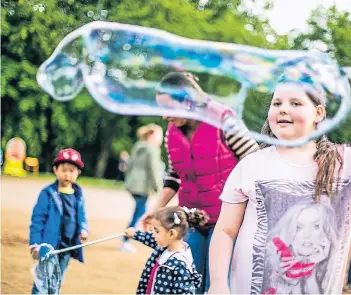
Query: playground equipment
(31, 165)
(15, 154)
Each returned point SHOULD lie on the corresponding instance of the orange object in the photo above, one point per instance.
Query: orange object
(31, 164)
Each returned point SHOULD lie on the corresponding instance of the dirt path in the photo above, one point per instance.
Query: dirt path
(106, 271)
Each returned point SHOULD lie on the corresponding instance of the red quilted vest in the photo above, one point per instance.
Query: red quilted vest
(203, 165)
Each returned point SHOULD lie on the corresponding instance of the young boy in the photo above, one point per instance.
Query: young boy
(59, 215)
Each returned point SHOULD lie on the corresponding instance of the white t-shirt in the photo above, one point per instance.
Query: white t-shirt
(282, 220)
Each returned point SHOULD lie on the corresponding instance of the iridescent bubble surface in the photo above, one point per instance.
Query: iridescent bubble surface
(121, 66)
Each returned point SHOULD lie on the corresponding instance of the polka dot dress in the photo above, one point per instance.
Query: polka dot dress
(172, 277)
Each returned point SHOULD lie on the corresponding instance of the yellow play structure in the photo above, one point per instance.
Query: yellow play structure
(15, 158)
(15, 154)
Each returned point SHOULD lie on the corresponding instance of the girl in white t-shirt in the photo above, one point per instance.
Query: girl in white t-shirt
(288, 209)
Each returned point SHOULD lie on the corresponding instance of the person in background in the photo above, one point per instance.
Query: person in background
(122, 165)
(143, 174)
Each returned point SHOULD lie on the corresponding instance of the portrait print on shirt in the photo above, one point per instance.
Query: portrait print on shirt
(300, 245)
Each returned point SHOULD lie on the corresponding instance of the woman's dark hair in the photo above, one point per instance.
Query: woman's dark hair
(179, 85)
(180, 219)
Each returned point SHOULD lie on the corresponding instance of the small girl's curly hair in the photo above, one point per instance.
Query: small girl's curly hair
(180, 219)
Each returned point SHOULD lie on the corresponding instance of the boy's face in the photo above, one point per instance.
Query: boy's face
(66, 174)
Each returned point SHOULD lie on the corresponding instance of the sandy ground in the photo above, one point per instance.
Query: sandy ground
(106, 270)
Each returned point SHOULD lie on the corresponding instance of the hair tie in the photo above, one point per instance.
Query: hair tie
(176, 219)
(187, 210)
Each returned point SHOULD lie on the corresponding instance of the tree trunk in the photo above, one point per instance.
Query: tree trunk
(102, 161)
(107, 133)
(47, 147)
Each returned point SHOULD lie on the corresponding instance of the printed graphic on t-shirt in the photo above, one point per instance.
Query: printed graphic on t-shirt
(300, 245)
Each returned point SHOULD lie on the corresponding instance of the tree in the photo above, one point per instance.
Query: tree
(31, 32)
(29, 35)
(330, 31)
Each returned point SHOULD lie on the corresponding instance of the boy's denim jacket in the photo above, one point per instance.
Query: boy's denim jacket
(47, 218)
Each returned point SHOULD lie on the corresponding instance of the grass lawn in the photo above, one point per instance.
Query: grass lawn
(82, 180)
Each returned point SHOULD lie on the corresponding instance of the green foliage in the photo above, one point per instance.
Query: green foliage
(31, 30)
(333, 29)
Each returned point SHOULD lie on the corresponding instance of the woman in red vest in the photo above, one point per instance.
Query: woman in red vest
(201, 158)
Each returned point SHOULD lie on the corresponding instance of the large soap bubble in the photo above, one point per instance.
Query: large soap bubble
(121, 66)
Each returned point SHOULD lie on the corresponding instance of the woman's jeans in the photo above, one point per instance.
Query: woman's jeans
(199, 242)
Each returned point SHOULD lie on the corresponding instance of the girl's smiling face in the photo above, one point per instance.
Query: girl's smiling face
(292, 114)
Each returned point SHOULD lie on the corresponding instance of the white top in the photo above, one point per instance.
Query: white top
(184, 255)
(282, 221)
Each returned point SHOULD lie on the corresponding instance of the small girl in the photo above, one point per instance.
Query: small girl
(143, 175)
(170, 269)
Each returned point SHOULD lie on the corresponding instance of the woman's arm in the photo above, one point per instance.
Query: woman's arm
(172, 179)
(165, 196)
(221, 246)
(238, 139)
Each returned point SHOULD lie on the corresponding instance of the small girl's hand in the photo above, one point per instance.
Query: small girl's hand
(129, 232)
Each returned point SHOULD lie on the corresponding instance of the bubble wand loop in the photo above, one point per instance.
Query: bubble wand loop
(47, 274)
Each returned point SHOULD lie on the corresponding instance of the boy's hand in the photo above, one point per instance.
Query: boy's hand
(130, 232)
(35, 253)
(83, 236)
